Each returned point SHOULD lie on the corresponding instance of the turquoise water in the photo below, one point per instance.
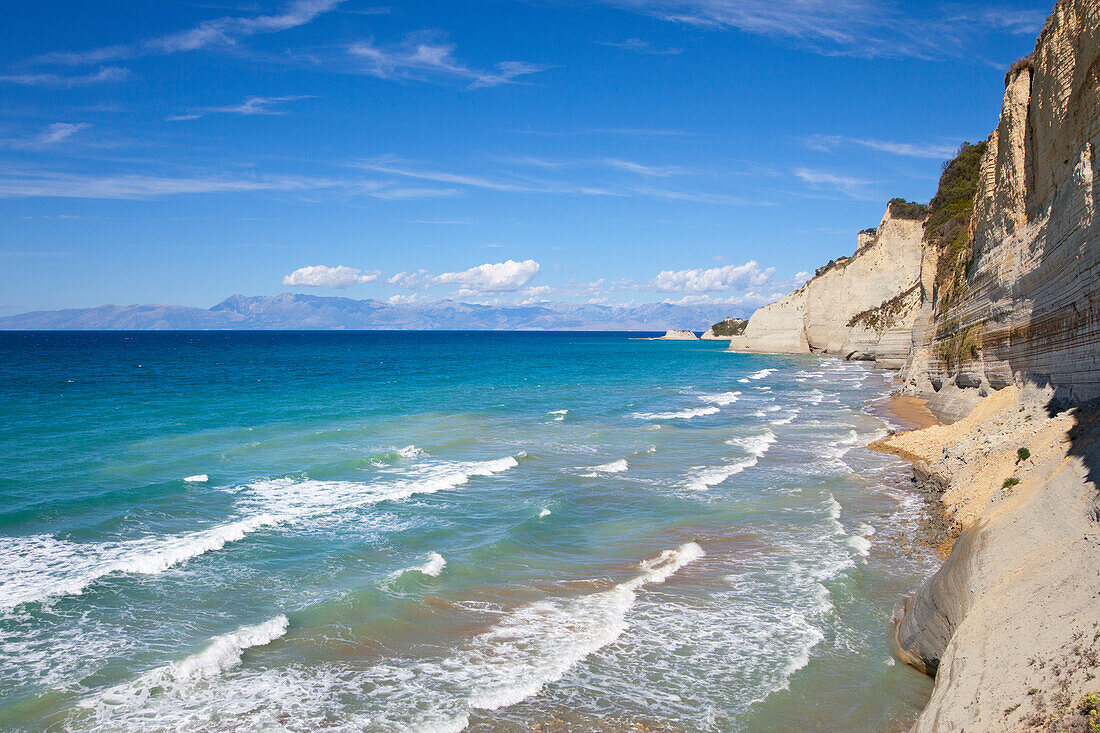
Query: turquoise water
(445, 531)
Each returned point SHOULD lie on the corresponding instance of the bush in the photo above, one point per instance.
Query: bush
(1010, 482)
(947, 227)
(902, 209)
(870, 230)
(730, 327)
(1027, 62)
(1022, 455)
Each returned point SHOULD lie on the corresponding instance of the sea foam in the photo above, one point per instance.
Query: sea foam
(678, 415)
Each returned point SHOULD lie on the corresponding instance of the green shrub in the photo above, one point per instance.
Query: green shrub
(1010, 482)
(730, 327)
(1022, 455)
(870, 230)
(902, 209)
(947, 227)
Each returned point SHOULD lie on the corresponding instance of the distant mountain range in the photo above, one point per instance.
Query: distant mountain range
(291, 311)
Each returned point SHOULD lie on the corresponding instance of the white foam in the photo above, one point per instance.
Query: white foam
(178, 678)
(743, 380)
(42, 566)
(758, 445)
(198, 478)
(681, 415)
(409, 451)
(539, 643)
(432, 568)
(618, 466)
(762, 373)
(708, 477)
(721, 399)
(560, 414)
(544, 513)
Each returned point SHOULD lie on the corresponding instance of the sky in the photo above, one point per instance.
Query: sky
(497, 151)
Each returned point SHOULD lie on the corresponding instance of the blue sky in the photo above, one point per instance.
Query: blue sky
(490, 150)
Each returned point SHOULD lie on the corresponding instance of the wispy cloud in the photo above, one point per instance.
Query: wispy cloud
(829, 143)
(421, 56)
(250, 106)
(225, 31)
(61, 81)
(640, 46)
(642, 169)
(864, 28)
(59, 131)
(23, 183)
(848, 185)
(397, 167)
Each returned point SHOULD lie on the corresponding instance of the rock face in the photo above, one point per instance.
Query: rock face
(1009, 623)
(679, 336)
(1031, 301)
(859, 307)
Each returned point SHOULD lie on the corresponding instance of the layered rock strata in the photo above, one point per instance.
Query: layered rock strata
(859, 307)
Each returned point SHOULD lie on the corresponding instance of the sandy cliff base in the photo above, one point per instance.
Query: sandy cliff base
(1011, 622)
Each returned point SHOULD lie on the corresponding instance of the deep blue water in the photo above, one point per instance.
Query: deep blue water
(443, 531)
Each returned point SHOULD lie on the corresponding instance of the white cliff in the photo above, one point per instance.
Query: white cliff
(859, 307)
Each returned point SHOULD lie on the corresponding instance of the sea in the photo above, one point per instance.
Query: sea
(447, 531)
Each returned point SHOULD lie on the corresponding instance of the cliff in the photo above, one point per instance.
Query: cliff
(1018, 302)
(858, 307)
(1006, 345)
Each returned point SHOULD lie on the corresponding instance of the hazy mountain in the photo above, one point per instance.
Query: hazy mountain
(296, 311)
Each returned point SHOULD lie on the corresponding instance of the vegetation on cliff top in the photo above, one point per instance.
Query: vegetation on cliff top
(730, 327)
(902, 209)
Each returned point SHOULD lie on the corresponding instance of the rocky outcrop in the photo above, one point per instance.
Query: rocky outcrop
(679, 336)
(1028, 305)
(725, 329)
(1010, 624)
(858, 307)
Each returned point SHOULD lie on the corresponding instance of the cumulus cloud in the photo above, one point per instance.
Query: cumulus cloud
(714, 279)
(500, 277)
(321, 276)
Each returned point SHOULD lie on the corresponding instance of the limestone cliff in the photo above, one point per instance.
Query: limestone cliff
(1021, 303)
(858, 307)
(1010, 311)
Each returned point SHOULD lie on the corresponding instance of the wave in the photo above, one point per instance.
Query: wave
(559, 415)
(721, 399)
(763, 373)
(614, 467)
(788, 419)
(537, 644)
(198, 478)
(432, 568)
(758, 445)
(39, 567)
(708, 477)
(681, 415)
(176, 680)
(544, 513)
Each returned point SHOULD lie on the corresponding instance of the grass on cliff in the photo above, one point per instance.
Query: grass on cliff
(947, 227)
(884, 315)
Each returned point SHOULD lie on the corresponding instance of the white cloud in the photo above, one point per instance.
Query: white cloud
(640, 46)
(420, 56)
(643, 170)
(714, 279)
(321, 276)
(35, 183)
(106, 74)
(936, 151)
(848, 185)
(501, 277)
(250, 106)
(416, 279)
(220, 31)
(863, 28)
